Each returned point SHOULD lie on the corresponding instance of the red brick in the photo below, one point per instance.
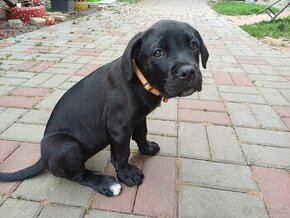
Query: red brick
(288, 78)
(82, 40)
(123, 202)
(157, 196)
(250, 60)
(41, 67)
(275, 188)
(282, 111)
(202, 105)
(87, 69)
(4, 45)
(203, 117)
(26, 155)
(18, 101)
(88, 52)
(241, 79)
(7, 147)
(40, 49)
(30, 92)
(286, 120)
(24, 66)
(223, 78)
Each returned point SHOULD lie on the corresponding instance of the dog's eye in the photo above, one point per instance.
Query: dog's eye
(194, 46)
(158, 53)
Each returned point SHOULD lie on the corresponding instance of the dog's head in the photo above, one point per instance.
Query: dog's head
(168, 55)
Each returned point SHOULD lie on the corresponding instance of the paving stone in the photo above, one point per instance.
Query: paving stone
(157, 194)
(56, 70)
(224, 145)
(236, 89)
(267, 117)
(209, 92)
(108, 214)
(222, 78)
(241, 115)
(160, 127)
(17, 208)
(282, 111)
(167, 111)
(202, 202)
(7, 147)
(31, 92)
(52, 211)
(24, 66)
(18, 101)
(286, 94)
(15, 74)
(2, 199)
(54, 190)
(264, 137)
(192, 141)
(9, 116)
(24, 156)
(35, 117)
(202, 105)
(203, 117)
(50, 101)
(267, 156)
(87, 69)
(8, 81)
(217, 175)
(273, 97)
(99, 161)
(37, 80)
(274, 185)
(55, 81)
(66, 85)
(5, 89)
(24, 132)
(124, 202)
(247, 98)
(41, 66)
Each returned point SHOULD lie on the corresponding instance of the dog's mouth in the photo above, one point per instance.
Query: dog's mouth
(187, 92)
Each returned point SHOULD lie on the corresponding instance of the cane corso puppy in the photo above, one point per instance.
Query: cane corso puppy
(110, 106)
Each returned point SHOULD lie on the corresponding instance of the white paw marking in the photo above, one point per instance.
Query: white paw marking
(115, 188)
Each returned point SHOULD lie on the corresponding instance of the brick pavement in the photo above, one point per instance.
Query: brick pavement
(224, 151)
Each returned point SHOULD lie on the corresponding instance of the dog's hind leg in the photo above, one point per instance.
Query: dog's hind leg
(63, 157)
(139, 135)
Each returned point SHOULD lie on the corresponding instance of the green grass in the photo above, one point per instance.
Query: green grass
(238, 8)
(279, 28)
(94, 0)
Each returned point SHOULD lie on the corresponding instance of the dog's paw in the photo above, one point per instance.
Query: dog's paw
(110, 187)
(152, 149)
(130, 175)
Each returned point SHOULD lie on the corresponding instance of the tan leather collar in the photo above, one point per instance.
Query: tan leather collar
(145, 82)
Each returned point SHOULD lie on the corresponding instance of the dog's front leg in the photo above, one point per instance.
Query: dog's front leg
(140, 137)
(120, 152)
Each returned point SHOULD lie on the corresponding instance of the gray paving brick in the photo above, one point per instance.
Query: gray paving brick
(267, 117)
(16, 208)
(55, 70)
(5, 89)
(264, 137)
(16, 74)
(209, 92)
(99, 161)
(267, 156)
(167, 111)
(278, 85)
(2, 199)
(24, 132)
(8, 81)
(193, 141)
(75, 78)
(238, 89)
(36, 117)
(55, 190)
(274, 97)
(201, 202)
(217, 175)
(70, 59)
(9, 116)
(50, 101)
(54, 81)
(168, 145)
(37, 80)
(286, 94)
(224, 145)
(68, 65)
(241, 115)
(53, 211)
(108, 214)
(161, 127)
(235, 97)
(66, 85)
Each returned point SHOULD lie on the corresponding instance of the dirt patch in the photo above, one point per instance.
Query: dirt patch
(283, 44)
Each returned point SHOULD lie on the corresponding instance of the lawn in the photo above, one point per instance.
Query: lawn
(279, 28)
(238, 8)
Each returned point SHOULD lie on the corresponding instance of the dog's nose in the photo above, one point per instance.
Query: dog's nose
(186, 72)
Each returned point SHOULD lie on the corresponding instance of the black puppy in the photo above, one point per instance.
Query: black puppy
(111, 104)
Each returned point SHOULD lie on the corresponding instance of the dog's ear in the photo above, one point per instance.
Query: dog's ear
(203, 50)
(131, 51)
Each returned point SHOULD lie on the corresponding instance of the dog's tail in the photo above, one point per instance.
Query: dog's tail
(26, 173)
